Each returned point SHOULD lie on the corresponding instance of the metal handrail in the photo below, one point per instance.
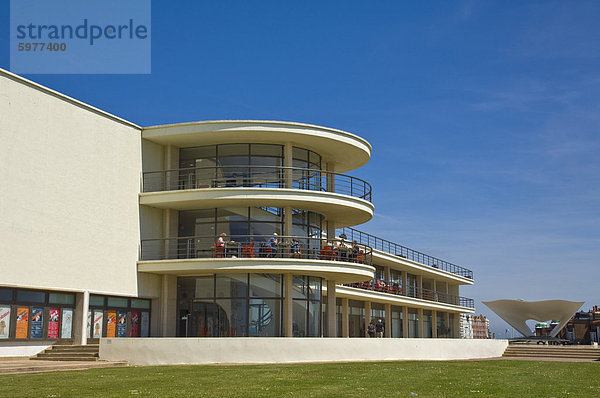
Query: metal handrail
(254, 246)
(256, 177)
(404, 252)
(413, 291)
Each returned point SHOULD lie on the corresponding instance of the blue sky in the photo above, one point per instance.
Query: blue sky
(484, 117)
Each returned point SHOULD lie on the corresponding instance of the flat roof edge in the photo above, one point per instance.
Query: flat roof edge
(66, 98)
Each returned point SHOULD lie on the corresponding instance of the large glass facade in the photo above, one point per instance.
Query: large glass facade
(247, 221)
(306, 310)
(427, 324)
(356, 318)
(229, 305)
(229, 165)
(413, 322)
(397, 321)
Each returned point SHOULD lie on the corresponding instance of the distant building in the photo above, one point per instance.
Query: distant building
(583, 327)
(474, 327)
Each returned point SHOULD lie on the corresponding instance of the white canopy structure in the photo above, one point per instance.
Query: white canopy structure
(517, 312)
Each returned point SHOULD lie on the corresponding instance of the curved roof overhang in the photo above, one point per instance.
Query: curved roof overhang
(347, 151)
(345, 210)
(340, 272)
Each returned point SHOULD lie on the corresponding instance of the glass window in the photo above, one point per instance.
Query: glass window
(6, 294)
(140, 303)
(61, 298)
(300, 154)
(232, 318)
(314, 288)
(96, 301)
(265, 318)
(314, 310)
(234, 285)
(270, 150)
(234, 150)
(265, 285)
(299, 310)
(205, 287)
(30, 296)
(299, 287)
(117, 302)
(188, 156)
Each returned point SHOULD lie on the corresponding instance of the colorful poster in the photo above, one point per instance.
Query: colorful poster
(111, 320)
(37, 322)
(122, 324)
(67, 323)
(4, 321)
(53, 319)
(98, 319)
(22, 322)
(135, 324)
(145, 324)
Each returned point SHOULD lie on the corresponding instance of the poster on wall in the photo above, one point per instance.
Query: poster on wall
(145, 324)
(122, 324)
(4, 321)
(22, 322)
(135, 324)
(67, 323)
(89, 324)
(98, 318)
(37, 323)
(53, 319)
(111, 320)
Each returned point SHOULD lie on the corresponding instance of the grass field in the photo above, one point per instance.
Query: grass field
(401, 379)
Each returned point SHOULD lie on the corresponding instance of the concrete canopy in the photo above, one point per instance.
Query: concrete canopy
(517, 312)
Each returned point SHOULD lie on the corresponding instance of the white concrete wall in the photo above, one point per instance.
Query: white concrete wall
(22, 348)
(70, 178)
(162, 351)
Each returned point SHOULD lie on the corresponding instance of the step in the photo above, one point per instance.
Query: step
(68, 354)
(71, 358)
(73, 348)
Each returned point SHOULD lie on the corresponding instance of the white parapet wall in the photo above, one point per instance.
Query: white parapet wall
(10, 349)
(172, 351)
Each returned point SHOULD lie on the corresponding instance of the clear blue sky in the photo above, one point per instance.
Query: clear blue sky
(483, 116)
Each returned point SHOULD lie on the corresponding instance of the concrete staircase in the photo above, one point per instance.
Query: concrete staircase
(535, 351)
(67, 352)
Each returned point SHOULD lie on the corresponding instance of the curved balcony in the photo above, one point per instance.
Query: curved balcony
(407, 253)
(414, 292)
(332, 259)
(337, 196)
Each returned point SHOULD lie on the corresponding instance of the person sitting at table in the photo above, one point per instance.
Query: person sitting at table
(342, 247)
(273, 242)
(354, 251)
(295, 248)
(221, 240)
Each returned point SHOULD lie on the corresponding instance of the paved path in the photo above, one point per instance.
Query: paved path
(14, 366)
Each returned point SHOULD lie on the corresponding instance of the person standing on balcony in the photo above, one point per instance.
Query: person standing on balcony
(221, 240)
(379, 328)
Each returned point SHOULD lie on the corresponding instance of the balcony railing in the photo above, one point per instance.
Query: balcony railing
(405, 252)
(415, 292)
(255, 177)
(254, 246)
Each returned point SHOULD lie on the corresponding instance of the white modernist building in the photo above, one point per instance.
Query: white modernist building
(205, 229)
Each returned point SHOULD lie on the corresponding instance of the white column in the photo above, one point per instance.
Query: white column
(367, 316)
(404, 284)
(85, 302)
(331, 308)
(420, 288)
(288, 161)
(287, 306)
(345, 318)
(287, 221)
(405, 322)
(388, 320)
(447, 323)
(168, 306)
(388, 274)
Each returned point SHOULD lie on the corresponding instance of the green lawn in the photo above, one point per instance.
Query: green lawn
(402, 379)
